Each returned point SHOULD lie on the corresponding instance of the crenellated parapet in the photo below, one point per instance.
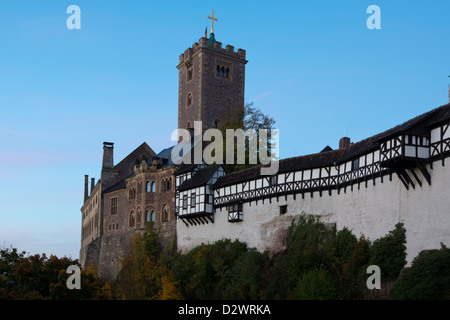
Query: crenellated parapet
(203, 44)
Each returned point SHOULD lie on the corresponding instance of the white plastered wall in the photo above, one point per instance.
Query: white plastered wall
(372, 211)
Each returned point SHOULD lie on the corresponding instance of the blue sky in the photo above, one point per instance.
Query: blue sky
(313, 65)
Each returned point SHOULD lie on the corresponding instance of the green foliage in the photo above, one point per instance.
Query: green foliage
(427, 279)
(144, 274)
(39, 277)
(315, 284)
(389, 253)
(248, 117)
(245, 278)
(318, 262)
(223, 270)
(9, 258)
(304, 246)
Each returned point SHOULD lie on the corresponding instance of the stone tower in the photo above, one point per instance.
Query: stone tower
(210, 83)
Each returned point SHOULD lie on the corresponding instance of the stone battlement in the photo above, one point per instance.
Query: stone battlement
(216, 47)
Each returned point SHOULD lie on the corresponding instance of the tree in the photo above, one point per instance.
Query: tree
(144, 275)
(345, 257)
(223, 270)
(315, 284)
(428, 278)
(39, 277)
(9, 258)
(247, 118)
(389, 253)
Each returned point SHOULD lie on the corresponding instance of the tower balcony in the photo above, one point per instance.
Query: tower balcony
(404, 150)
(405, 153)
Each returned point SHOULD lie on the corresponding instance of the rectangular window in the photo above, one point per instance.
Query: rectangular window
(273, 180)
(185, 200)
(193, 199)
(113, 205)
(235, 212)
(283, 209)
(355, 164)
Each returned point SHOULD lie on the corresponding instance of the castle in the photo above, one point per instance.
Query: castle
(396, 176)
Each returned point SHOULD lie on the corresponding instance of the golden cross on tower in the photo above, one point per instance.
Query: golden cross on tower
(212, 21)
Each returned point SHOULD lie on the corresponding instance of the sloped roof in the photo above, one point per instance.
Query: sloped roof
(185, 168)
(333, 157)
(144, 145)
(200, 178)
(119, 185)
(326, 149)
(166, 155)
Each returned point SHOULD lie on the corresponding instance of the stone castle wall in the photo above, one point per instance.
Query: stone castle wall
(372, 211)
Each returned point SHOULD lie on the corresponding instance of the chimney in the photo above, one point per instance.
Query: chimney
(86, 177)
(92, 184)
(108, 151)
(344, 143)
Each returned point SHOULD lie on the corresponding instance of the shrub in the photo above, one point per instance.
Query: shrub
(389, 253)
(315, 284)
(428, 277)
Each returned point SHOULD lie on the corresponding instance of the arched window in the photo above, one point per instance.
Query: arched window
(189, 100)
(222, 72)
(218, 71)
(131, 219)
(147, 186)
(165, 185)
(153, 186)
(150, 215)
(189, 74)
(227, 72)
(216, 123)
(165, 213)
(138, 218)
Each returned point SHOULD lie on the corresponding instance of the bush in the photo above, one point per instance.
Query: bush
(428, 278)
(223, 270)
(315, 284)
(304, 246)
(389, 253)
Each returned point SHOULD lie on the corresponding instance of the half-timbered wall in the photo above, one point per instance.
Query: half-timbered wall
(361, 194)
(197, 201)
(440, 141)
(323, 180)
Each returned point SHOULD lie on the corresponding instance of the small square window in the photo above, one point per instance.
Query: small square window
(283, 209)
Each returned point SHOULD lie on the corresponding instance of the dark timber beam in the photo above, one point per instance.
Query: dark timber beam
(402, 180)
(407, 177)
(425, 172)
(416, 177)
